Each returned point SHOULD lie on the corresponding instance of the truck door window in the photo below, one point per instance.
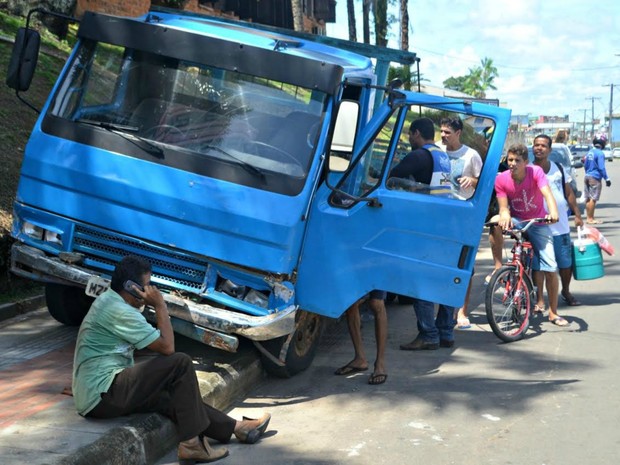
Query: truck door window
(376, 162)
(367, 170)
(464, 164)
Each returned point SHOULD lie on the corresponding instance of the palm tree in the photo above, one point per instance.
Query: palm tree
(487, 75)
(351, 16)
(404, 25)
(381, 22)
(298, 15)
(366, 20)
(477, 82)
(404, 41)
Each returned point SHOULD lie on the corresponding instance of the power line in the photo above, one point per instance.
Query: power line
(518, 68)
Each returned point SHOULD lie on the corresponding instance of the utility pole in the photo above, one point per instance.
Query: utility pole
(592, 99)
(611, 109)
(583, 127)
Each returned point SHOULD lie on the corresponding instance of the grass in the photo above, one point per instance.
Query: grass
(16, 122)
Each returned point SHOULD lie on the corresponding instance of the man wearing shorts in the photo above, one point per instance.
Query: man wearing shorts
(521, 194)
(559, 182)
(594, 165)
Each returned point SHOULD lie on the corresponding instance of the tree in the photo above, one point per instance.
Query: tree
(404, 25)
(381, 22)
(404, 41)
(404, 74)
(351, 16)
(455, 83)
(298, 15)
(487, 76)
(366, 20)
(477, 82)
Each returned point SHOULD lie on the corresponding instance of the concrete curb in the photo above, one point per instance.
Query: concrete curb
(148, 437)
(23, 306)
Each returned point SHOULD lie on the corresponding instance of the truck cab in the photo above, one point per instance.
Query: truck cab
(251, 167)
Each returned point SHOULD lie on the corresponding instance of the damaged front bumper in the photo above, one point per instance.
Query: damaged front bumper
(205, 323)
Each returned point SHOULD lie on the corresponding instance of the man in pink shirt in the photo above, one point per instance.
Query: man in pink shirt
(521, 194)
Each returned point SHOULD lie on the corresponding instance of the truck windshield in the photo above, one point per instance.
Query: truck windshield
(217, 116)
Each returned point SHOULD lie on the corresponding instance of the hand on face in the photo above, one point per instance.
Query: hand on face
(151, 296)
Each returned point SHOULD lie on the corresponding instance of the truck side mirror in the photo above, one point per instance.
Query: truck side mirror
(23, 59)
(343, 139)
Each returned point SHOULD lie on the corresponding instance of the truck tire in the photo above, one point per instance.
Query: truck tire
(301, 349)
(67, 304)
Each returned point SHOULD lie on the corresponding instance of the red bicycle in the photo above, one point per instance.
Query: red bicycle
(511, 290)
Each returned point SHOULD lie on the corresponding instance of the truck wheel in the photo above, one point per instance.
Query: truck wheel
(67, 304)
(300, 346)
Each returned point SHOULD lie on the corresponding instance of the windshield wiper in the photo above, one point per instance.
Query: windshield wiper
(244, 164)
(121, 129)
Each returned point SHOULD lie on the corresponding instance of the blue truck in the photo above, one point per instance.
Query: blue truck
(250, 166)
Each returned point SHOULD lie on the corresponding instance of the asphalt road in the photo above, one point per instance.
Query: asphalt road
(552, 398)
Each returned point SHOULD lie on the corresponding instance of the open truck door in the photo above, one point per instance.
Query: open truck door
(368, 231)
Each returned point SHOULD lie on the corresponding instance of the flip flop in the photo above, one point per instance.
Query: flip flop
(539, 310)
(570, 300)
(594, 222)
(377, 378)
(463, 323)
(559, 321)
(348, 370)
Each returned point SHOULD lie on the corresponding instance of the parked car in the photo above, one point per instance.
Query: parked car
(608, 155)
(560, 153)
(615, 153)
(577, 154)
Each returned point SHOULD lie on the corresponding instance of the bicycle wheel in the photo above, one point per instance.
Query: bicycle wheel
(508, 301)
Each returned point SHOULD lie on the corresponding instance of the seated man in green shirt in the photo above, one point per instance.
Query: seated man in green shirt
(107, 383)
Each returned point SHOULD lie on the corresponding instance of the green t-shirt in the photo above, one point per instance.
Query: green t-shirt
(108, 336)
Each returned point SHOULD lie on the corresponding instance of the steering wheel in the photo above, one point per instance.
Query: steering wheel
(162, 130)
(276, 150)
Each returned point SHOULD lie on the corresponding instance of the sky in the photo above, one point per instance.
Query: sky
(553, 57)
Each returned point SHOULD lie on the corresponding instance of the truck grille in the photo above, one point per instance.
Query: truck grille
(103, 250)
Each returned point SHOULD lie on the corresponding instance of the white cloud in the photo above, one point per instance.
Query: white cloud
(552, 56)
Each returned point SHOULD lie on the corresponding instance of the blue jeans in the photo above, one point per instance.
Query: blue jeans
(432, 328)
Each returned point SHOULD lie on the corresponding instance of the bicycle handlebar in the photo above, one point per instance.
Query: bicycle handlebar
(529, 222)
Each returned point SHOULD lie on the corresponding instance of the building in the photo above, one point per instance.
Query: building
(270, 12)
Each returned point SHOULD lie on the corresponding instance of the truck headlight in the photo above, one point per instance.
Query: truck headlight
(41, 234)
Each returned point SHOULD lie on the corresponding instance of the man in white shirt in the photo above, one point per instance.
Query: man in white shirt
(465, 168)
(559, 181)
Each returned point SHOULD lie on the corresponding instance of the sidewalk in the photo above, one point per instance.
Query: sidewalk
(39, 424)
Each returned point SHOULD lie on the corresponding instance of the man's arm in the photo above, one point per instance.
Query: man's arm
(572, 202)
(475, 167)
(552, 206)
(505, 221)
(165, 343)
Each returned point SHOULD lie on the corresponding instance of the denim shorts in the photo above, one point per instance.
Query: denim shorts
(543, 244)
(592, 188)
(563, 248)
